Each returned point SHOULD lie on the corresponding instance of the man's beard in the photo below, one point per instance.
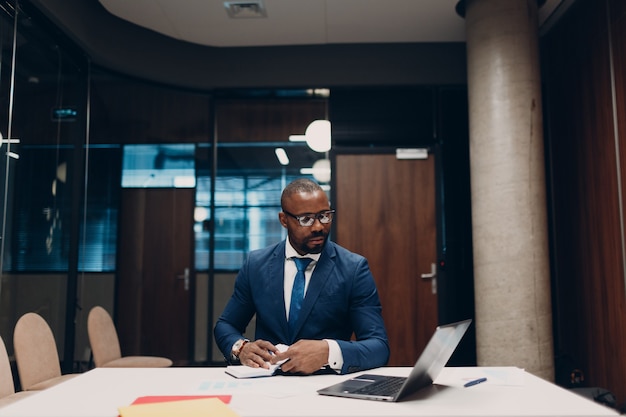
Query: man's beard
(318, 247)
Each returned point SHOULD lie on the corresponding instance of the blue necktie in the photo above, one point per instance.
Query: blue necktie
(297, 293)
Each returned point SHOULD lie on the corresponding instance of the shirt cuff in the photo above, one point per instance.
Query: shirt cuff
(335, 357)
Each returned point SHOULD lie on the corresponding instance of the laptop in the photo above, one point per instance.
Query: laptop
(433, 359)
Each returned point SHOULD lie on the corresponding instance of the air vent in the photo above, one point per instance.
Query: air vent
(245, 9)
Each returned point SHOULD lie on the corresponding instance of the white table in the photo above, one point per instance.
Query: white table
(507, 392)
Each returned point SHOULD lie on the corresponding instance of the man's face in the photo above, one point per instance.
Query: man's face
(305, 239)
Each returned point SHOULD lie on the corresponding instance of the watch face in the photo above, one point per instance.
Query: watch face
(237, 347)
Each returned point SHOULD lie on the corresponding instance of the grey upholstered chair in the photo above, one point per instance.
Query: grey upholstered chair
(36, 354)
(105, 345)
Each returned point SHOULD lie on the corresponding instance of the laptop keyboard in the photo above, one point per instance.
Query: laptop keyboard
(388, 386)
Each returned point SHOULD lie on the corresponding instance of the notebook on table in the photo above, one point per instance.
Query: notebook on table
(433, 359)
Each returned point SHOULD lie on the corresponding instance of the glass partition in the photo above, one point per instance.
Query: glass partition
(159, 166)
(42, 121)
(76, 139)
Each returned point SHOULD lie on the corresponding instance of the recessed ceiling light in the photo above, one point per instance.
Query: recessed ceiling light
(245, 9)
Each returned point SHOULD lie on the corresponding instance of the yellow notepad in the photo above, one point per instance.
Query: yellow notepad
(185, 408)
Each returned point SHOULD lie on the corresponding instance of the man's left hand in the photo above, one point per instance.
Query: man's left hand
(305, 357)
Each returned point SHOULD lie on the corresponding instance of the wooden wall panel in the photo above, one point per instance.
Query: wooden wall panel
(128, 111)
(265, 120)
(587, 252)
(616, 318)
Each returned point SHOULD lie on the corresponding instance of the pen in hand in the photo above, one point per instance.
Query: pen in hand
(474, 382)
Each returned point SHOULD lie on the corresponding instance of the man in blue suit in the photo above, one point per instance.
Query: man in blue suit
(339, 325)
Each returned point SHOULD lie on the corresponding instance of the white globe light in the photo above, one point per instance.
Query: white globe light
(317, 135)
(200, 214)
(321, 170)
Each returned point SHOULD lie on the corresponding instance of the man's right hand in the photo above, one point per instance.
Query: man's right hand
(257, 354)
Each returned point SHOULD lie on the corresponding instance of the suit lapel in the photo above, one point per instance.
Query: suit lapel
(275, 281)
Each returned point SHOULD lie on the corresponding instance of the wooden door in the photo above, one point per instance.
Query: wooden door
(386, 212)
(155, 273)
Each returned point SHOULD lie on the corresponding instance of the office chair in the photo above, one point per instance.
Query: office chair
(36, 354)
(7, 387)
(105, 345)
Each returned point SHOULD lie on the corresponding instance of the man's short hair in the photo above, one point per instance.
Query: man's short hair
(301, 185)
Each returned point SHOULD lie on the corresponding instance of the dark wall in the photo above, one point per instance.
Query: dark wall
(584, 72)
(121, 46)
(389, 116)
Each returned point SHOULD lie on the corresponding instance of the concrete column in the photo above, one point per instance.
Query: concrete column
(510, 239)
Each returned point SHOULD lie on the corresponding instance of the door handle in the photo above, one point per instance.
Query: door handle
(185, 278)
(432, 276)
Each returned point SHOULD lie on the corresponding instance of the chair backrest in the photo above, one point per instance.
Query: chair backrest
(105, 345)
(36, 351)
(6, 374)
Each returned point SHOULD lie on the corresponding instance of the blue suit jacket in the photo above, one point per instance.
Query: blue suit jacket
(341, 299)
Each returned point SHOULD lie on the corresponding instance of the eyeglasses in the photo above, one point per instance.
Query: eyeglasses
(307, 219)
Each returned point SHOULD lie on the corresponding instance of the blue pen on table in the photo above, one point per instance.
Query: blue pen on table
(474, 382)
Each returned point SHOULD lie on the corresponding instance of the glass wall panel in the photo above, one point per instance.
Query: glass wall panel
(98, 238)
(42, 217)
(7, 164)
(42, 115)
(246, 216)
(159, 166)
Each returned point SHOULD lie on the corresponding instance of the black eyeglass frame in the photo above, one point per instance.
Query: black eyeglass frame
(314, 216)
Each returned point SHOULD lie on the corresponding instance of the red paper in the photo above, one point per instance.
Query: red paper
(164, 398)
